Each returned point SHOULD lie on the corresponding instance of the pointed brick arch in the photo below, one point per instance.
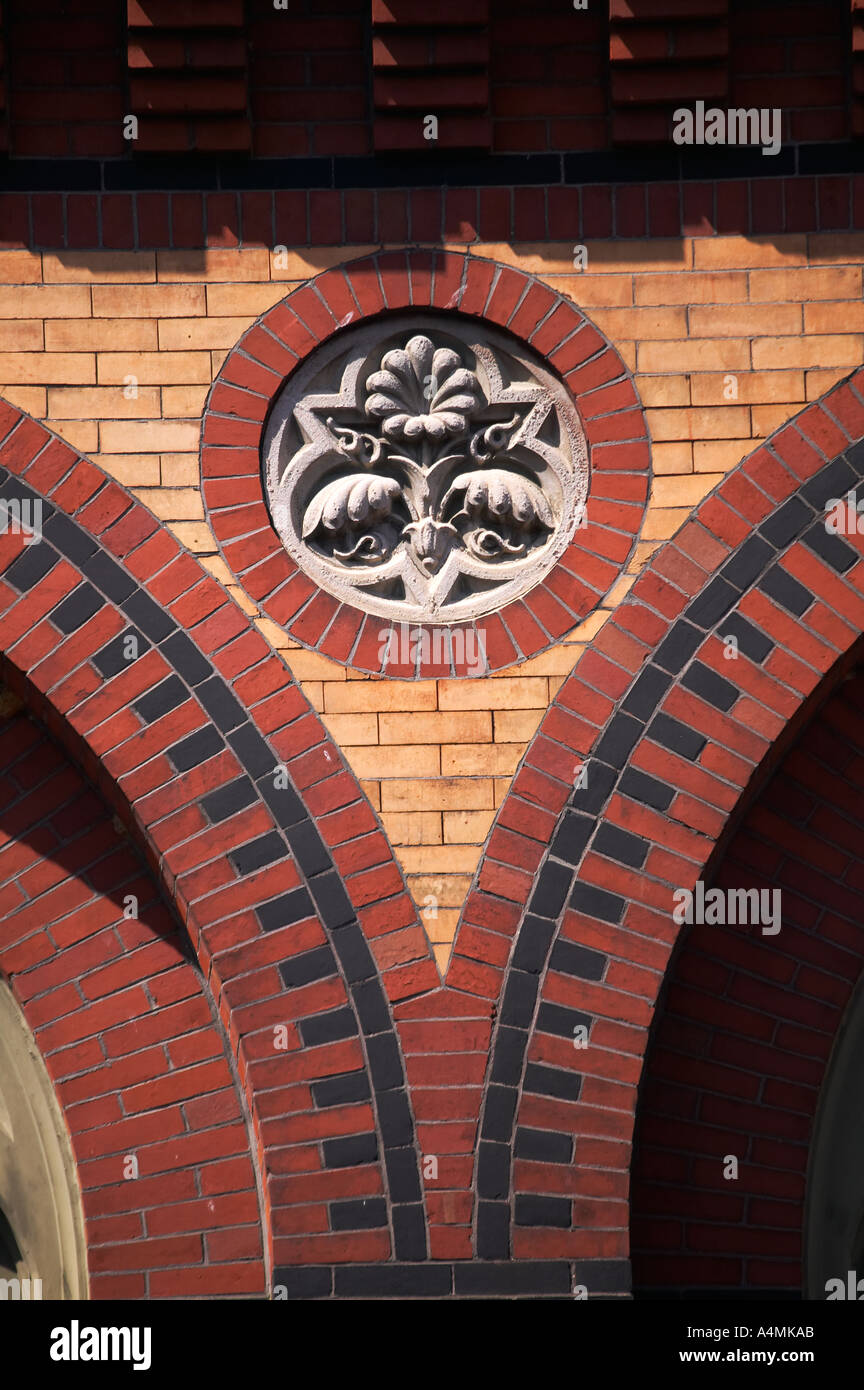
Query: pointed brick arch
(676, 740)
(302, 923)
(128, 1032)
(740, 1049)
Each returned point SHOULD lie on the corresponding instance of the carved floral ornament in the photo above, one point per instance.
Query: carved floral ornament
(425, 470)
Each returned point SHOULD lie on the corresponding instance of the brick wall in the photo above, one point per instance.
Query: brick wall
(128, 1032)
(747, 1029)
(564, 85)
(693, 319)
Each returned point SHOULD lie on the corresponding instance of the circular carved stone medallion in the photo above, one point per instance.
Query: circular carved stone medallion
(425, 469)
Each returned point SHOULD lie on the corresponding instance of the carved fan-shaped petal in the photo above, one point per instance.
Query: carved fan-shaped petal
(422, 354)
(350, 500)
(400, 391)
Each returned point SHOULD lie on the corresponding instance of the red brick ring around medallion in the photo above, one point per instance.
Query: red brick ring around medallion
(596, 378)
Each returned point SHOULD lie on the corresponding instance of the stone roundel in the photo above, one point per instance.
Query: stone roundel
(429, 445)
(427, 477)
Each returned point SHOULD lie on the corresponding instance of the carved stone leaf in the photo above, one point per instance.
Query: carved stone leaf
(350, 501)
(499, 493)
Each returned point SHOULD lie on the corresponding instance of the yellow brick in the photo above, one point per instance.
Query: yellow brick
(416, 760)
(219, 570)
(384, 695)
(441, 928)
(767, 418)
(694, 355)
(173, 503)
(480, 759)
(183, 402)
(195, 535)
(306, 665)
(22, 335)
(502, 784)
(827, 350)
(682, 288)
(179, 334)
(660, 253)
(154, 368)
(83, 435)
(215, 263)
(641, 323)
(250, 607)
(436, 728)
(132, 470)
(744, 320)
(103, 403)
(664, 390)
(724, 252)
(517, 726)
(436, 794)
(619, 591)
(683, 492)
(642, 553)
(627, 352)
(499, 692)
(534, 257)
(301, 264)
(152, 437)
(45, 367)
(585, 632)
(675, 456)
(541, 257)
(467, 827)
(818, 381)
(352, 729)
(146, 301)
(44, 301)
(412, 827)
(273, 633)
(20, 267)
(373, 791)
(100, 335)
(314, 692)
(719, 455)
(437, 858)
(593, 291)
(842, 282)
(447, 890)
(179, 470)
(661, 523)
(700, 422)
(33, 399)
(826, 318)
(94, 267)
(558, 660)
(236, 300)
(754, 388)
(216, 360)
(836, 246)
(442, 953)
